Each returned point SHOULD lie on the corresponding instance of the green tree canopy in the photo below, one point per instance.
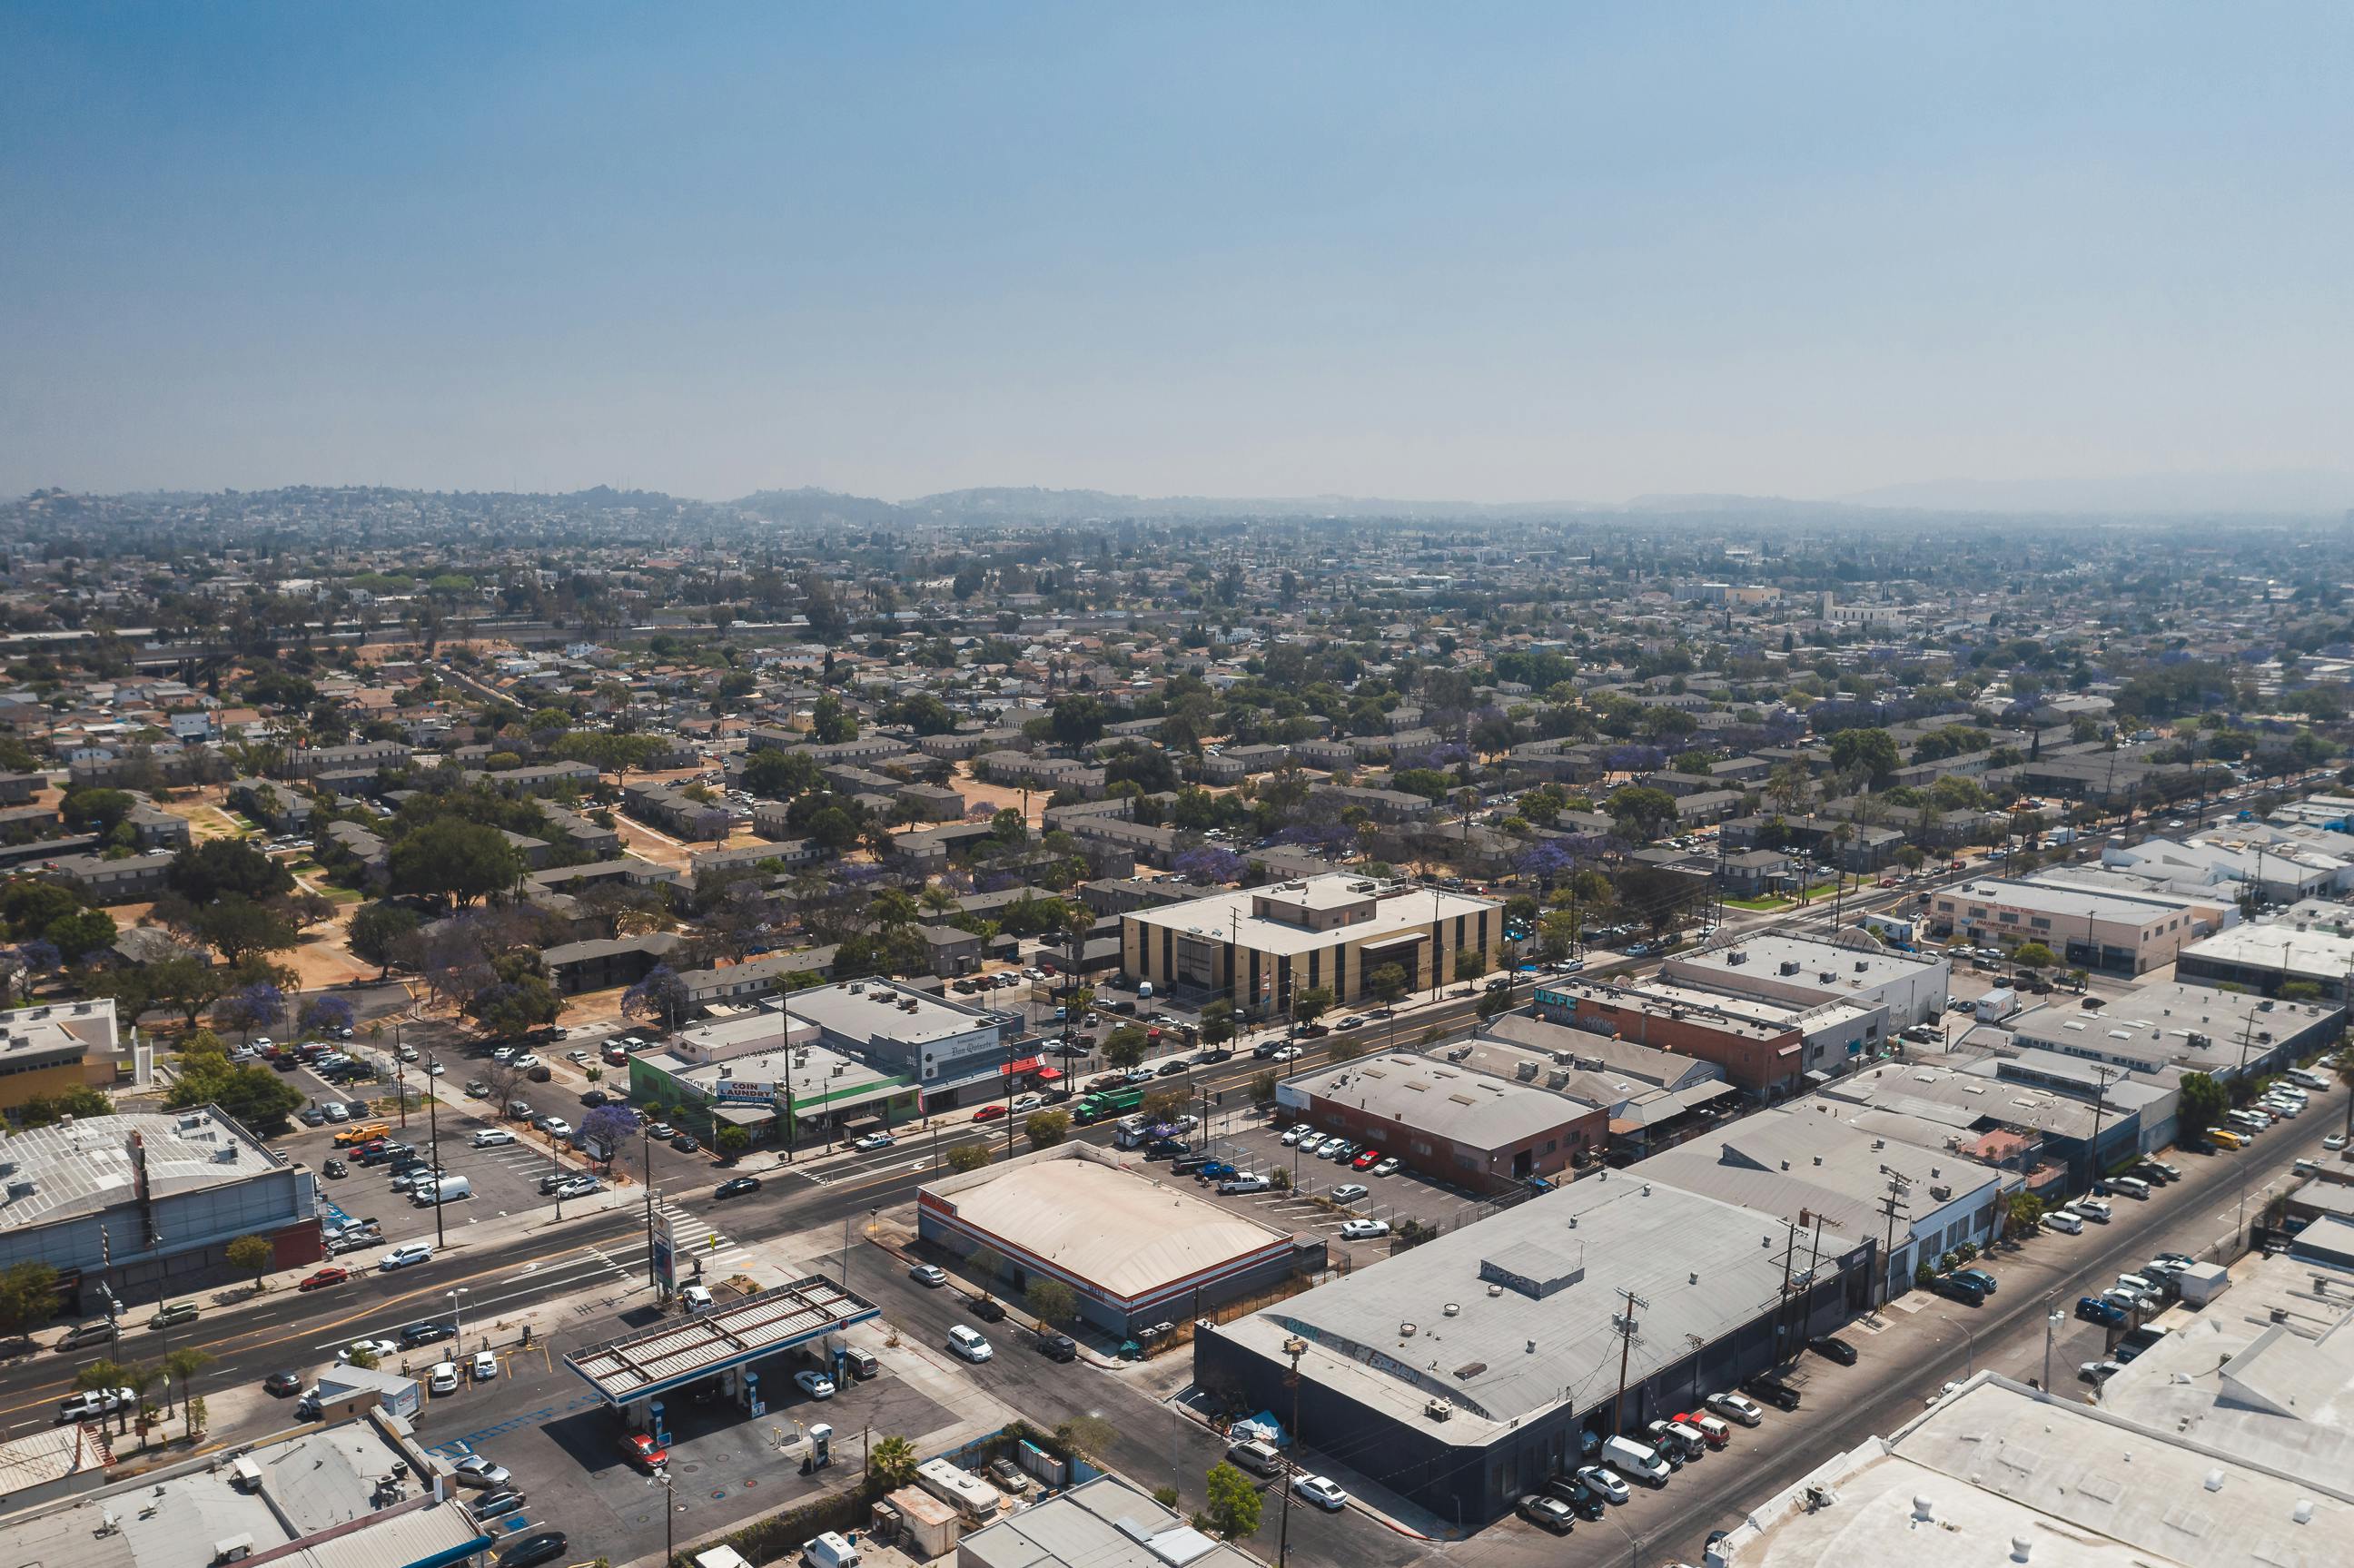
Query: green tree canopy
(219, 868)
(452, 858)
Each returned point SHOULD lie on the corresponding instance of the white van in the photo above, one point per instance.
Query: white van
(448, 1190)
(2131, 1186)
(1636, 1462)
(2066, 1222)
(830, 1551)
(1255, 1457)
(967, 1343)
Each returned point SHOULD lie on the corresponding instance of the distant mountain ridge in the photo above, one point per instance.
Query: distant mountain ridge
(2290, 491)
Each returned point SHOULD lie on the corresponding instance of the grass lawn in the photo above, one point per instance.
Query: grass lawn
(1758, 903)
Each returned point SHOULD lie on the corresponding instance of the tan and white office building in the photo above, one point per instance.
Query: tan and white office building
(1261, 947)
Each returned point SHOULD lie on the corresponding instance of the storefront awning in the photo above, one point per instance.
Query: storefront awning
(1016, 1069)
(744, 1114)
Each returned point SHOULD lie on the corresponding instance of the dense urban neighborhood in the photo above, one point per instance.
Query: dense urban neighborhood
(1043, 1030)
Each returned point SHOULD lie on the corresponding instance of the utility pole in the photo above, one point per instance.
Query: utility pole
(1295, 1348)
(1782, 1306)
(2103, 1076)
(433, 1119)
(1891, 1206)
(1625, 1323)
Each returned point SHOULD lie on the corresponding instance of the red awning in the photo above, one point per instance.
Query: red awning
(1027, 1064)
(1048, 1075)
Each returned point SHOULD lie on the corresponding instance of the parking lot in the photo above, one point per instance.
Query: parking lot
(1256, 1148)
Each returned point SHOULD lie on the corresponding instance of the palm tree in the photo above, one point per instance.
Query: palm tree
(139, 1378)
(892, 1460)
(181, 1365)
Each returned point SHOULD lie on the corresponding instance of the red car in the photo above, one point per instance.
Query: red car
(331, 1275)
(990, 1112)
(1712, 1434)
(1367, 1160)
(643, 1451)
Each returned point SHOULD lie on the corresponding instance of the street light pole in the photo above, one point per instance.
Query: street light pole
(2052, 1321)
(458, 1318)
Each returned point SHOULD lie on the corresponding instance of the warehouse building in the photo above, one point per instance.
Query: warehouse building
(2312, 943)
(1450, 1121)
(1465, 1372)
(1999, 1473)
(2088, 928)
(1805, 971)
(1136, 1250)
(144, 1207)
(1767, 1049)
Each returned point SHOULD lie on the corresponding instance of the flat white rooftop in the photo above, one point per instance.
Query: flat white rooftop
(1226, 917)
(1124, 1230)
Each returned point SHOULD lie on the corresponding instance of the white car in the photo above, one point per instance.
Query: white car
(579, 1187)
(1739, 1409)
(473, 1470)
(492, 1137)
(379, 1349)
(434, 1069)
(2334, 1142)
(1388, 1166)
(555, 1127)
(528, 1059)
(695, 1298)
(1364, 1230)
(969, 1343)
(1028, 1102)
(1321, 1491)
(403, 1254)
(1348, 1193)
(443, 1378)
(1604, 1481)
(485, 1367)
(1292, 1136)
(814, 1384)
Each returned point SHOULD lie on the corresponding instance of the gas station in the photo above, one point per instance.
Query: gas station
(637, 1373)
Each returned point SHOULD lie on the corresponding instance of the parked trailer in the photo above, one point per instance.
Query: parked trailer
(962, 1491)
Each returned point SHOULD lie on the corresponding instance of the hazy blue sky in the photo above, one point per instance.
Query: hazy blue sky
(1490, 252)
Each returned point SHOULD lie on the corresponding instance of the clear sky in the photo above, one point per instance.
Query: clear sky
(1489, 252)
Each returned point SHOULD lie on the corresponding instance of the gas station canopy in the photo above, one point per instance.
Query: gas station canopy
(681, 1351)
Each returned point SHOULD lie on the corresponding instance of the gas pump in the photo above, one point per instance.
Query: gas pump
(753, 1403)
(821, 1449)
(654, 1421)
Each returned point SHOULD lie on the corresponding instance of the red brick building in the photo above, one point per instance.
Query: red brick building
(1447, 1121)
(1760, 1050)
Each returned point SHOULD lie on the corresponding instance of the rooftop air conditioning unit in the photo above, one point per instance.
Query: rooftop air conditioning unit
(1791, 966)
(1439, 1409)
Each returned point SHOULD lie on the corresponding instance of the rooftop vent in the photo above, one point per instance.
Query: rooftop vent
(1451, 1308)
(2020, 1548)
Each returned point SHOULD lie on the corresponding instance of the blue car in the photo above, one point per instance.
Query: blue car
(1216, 1170)
(2093, 1309)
